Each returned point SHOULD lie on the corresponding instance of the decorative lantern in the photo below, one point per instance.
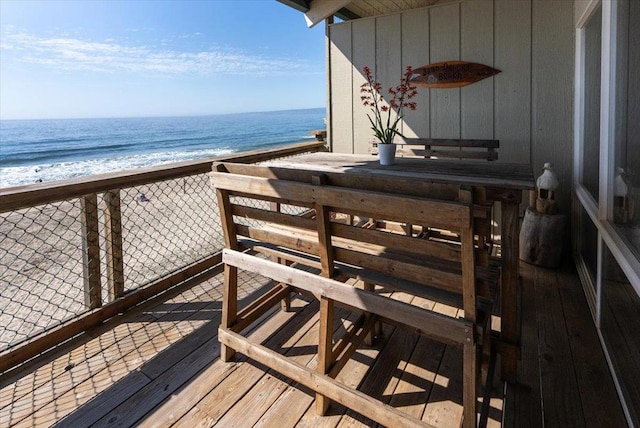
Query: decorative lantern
(543, 232)
(546, 185)
(623, 207)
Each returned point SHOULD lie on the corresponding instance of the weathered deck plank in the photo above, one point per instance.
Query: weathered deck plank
(99, 375)
(418, 378)
(86, 376)
(104, 338)
(193, 362)
(161, 367)
(522, 402)
(591, 370)
(557, 370)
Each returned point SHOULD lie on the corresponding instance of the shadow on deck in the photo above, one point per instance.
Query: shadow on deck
(160, 366)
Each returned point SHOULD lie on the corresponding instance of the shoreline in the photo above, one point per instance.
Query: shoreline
(50, 150)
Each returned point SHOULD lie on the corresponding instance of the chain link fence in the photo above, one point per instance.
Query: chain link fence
(168, 225)
(41, 270)
(46, 276)
(165, 226)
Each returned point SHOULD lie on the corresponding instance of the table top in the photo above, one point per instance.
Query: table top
(488, 174)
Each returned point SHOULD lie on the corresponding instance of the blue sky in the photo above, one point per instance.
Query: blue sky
(73, 59)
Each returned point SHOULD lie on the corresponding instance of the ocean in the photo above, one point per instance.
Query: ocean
(49, 150)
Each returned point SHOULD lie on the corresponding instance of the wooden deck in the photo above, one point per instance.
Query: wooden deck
(159, 366)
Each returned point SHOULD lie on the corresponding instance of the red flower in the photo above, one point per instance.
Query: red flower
(385, 129)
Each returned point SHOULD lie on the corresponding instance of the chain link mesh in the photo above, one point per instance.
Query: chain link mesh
(41, 270)
(165, 225)
(168, 225)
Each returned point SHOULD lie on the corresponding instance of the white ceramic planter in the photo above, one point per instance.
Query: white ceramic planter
(387, 153)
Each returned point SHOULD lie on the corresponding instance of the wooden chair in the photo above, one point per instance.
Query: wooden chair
(342, 250)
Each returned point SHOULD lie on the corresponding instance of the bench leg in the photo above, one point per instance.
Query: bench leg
(377, 328)
(325, 349)
(469, 386)
(285, 303)
(229, 308)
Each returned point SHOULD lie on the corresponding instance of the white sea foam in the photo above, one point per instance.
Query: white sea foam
(21, 175)
(50, 150)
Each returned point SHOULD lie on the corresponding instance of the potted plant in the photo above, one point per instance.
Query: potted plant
(384, 127)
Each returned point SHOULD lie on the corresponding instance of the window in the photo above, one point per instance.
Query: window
(591, 109)
(607, 168)
(626, 117)
(587, 240)
(620, 309)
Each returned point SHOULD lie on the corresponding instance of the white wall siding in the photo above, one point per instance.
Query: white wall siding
(513, 85)
(477, 46)
(527, 106)
(445, 46)
(341, 80)
(415, 52)
(364, 54)
(552, 84)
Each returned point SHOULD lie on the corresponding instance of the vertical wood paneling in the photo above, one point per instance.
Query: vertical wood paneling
(341, 135)
(552, 92)
(388, 61)
(445, 46)
(513, 85)
(364, 54)
(388, 51)
(527, 106)
(477, 46)
(415, 52)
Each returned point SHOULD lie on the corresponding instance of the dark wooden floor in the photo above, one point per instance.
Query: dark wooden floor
(160, 367)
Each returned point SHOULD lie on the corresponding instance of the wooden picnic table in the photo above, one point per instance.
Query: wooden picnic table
(494, 182)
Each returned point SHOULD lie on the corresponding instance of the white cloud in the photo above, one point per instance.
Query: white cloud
(72, 54)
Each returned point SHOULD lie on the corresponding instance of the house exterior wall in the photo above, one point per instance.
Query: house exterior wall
(528, 106)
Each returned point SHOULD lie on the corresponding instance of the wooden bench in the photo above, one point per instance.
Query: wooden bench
(341, 250)
(441, 148)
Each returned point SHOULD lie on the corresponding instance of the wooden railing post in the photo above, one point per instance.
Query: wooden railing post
(91, 251)
(113, 238)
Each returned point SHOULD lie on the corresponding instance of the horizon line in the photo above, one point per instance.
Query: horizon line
(160, 116)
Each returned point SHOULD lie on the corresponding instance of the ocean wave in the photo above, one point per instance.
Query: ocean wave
(49, 150)
(22, 175)
(67, 154)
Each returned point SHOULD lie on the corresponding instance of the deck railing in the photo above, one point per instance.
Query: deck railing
(77, 252)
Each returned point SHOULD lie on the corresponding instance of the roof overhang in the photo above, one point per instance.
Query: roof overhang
(317, 10)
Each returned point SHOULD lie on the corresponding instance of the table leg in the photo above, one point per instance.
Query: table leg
(509, 289)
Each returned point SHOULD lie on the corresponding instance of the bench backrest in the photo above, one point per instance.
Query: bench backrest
(308, 229)
(440, 148)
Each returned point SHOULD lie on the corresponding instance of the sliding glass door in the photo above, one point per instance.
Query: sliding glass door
(607, 184)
